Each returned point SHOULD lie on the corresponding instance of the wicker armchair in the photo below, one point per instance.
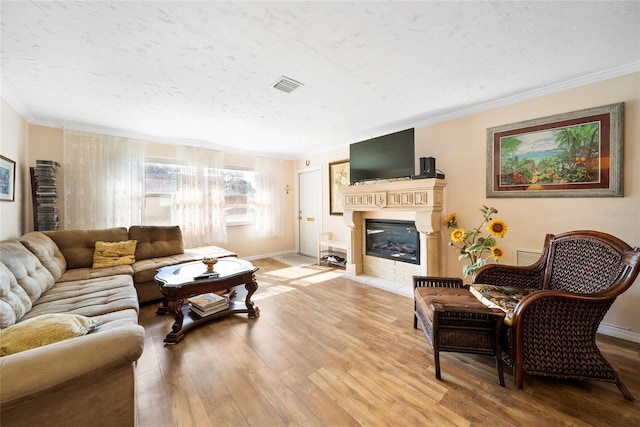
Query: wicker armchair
(553, 333)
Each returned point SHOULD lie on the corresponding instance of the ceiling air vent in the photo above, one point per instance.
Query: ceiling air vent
(286, 84)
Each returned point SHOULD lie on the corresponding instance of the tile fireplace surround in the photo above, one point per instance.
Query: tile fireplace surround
(418, 200)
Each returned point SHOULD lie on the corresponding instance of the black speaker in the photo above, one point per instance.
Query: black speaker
(428, 166)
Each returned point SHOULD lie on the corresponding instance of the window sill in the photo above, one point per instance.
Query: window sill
(239, 223)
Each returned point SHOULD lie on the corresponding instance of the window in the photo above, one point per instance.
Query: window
(239, 191)
(161, 188)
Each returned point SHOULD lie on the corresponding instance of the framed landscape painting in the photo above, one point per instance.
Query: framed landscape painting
(7, 179)
(338, 178)
(577, 154)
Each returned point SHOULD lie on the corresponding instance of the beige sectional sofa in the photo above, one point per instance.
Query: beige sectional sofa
(85, 376)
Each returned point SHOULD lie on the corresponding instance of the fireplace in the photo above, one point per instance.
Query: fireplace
(419, 201)
(393, 239)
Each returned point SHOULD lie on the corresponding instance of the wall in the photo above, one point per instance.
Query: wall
(13, 145)
(47, 143)
(459, 147)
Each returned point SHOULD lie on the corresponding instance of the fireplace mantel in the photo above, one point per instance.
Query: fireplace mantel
(423, 197)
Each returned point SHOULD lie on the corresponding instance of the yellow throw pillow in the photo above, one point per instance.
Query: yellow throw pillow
(42, 330)
(110, 254)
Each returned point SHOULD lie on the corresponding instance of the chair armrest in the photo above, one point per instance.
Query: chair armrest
(530, 277)
(436, 282)
(563, 305)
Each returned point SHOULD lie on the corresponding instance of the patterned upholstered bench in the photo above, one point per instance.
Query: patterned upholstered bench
(454, 320)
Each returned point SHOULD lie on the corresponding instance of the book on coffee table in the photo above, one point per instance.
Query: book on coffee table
(208, 312)
(207, 304)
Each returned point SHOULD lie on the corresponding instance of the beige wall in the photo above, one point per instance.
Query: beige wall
(459, 148)
(13, 145)
(45, 143)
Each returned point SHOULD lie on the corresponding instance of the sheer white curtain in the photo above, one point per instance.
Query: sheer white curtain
(103, 180)
(269, 197)
(199, 207)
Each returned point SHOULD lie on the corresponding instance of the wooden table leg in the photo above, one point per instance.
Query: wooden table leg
(163, 309)
(251, 287)
(175, 308)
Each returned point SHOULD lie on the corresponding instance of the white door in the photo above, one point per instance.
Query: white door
(310, 213)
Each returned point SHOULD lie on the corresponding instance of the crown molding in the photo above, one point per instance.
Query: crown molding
(7, 95)
(585, 80)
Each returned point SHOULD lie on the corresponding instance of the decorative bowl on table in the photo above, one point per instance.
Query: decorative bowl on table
(209, 262)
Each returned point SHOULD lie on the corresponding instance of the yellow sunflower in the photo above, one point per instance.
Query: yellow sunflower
(450, 221)
(497, 253)
(458, 235)
(497, 227)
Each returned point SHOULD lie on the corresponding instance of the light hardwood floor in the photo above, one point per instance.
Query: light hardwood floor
(327, 351)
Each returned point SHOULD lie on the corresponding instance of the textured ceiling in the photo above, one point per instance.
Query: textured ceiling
(202, 72)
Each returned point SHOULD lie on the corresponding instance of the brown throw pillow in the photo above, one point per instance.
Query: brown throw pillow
(110, 254)
(42, 330)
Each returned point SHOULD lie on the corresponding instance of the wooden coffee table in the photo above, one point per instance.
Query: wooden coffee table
(177, 283)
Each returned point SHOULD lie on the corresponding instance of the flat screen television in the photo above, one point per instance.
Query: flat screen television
(385, 157)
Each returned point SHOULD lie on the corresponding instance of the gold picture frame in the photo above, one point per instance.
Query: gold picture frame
(576, 154)
(338, 178)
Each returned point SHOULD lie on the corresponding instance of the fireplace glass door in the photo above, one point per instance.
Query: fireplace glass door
(395, 240)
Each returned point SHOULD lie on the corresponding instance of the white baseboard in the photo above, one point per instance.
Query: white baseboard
(405, 290)
(623, 334)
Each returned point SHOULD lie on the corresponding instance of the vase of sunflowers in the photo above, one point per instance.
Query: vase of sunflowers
(476, 245)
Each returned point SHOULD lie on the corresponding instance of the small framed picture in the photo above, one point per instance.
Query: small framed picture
(338, 178)
(7, 179)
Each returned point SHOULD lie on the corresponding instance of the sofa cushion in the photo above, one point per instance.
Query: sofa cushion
(47, 252)
(14, 301)
(28, 273)
(91, 298)
(506, 298)
(156, 241)
(110, 254)
(78, 246)
(93, 273)
(42, 330)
